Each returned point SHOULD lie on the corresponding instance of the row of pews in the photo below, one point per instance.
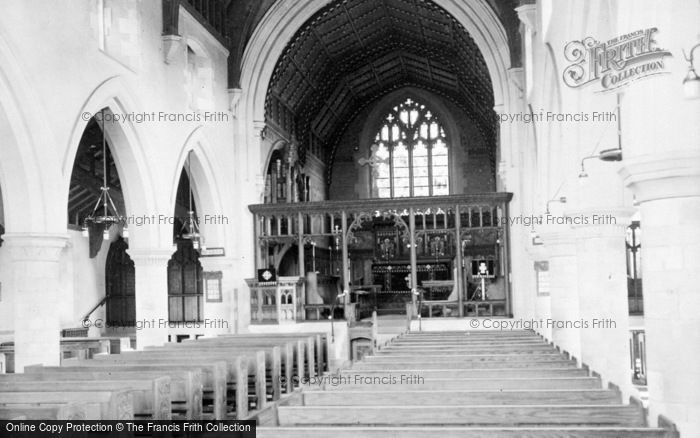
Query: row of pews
(70, 347)
(473, 384)
(219, 378)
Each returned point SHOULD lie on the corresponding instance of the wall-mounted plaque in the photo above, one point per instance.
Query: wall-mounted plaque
(542, 273)
(212, 286)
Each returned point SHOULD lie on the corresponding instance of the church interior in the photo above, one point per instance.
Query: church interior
(358, 218)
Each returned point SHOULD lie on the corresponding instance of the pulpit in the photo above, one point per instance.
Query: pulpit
(278, 301)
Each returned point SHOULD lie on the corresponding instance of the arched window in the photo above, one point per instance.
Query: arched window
(409, 154)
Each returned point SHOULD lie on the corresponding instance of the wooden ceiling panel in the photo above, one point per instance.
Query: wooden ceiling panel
(354, 51)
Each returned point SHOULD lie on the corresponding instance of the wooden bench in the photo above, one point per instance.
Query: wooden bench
(214, 378)
(116, 344)
(444, 351)
(450, 397)
(467, 357)
(83, 348)
(469, 384)
(598, 415)
(461, 432)
(231, 398)
(150, 397)
(497, 373)
(319, 352)
(427, 364)
(240, 367)
(291, 351)
(185, 385)
(272, 360)
(67, 411)
(304, 363)
(113, 405)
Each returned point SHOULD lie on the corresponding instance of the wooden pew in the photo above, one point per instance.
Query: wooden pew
(476, 373)
(83, 348)
(427, 364)
(556, 415)
(116, 344)
(450, 397)
(304, 358)
(272, 360)
(320, 341)
(150, 397)
(67, 411)
(113, 405)
(224, 401)
(214, 374)
(466, 352)
(185, 385)
(465, 358)
(446, 349)
(434, 384)
(240, 366)
(291, 351)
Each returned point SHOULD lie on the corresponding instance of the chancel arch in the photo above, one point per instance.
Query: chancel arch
(279, 24)
(384, 116)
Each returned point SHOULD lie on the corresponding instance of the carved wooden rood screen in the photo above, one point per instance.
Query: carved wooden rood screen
(390, 255)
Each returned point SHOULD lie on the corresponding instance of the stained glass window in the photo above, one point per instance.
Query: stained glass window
(410, 154)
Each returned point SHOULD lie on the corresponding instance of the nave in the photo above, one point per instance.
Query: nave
(419, 384)
(219, 378)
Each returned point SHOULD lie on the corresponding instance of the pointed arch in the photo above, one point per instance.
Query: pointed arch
(206, 184)
(282, 20)
(25, 178)
(127, 149)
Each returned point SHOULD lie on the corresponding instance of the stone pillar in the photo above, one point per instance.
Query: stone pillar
(151, 268)
(563, 277)
(35, 265)
(602, 294)
(668, 191)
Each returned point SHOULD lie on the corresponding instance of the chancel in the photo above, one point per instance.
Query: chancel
(352, 218)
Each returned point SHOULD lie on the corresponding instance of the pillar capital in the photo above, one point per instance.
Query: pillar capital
(150, 256)
(675, 174)
(217, 263)
(35, 246)
(527, 14)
